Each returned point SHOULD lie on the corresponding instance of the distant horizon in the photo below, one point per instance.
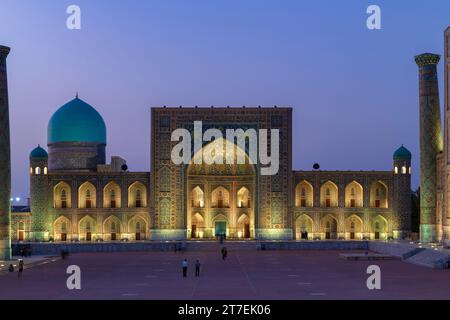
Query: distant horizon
(353, 91)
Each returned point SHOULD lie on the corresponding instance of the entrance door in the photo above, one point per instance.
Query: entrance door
(220, 228)
(352, 235)
(63, 236)
(88, 236)
(113, 236)
(194, 231)
(328, 235)
(21, 235)
(377, 235)
(247, 230)
(138, 236)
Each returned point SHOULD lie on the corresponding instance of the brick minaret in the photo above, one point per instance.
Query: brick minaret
(5, 161)
(446, 169)
(431, 143)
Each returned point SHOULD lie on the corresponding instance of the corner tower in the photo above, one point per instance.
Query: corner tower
(40, 220)
(431, 143)
(446, 167)
(402, 193)
(5, 161)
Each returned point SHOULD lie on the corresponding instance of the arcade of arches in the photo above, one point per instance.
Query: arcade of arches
(352, 216)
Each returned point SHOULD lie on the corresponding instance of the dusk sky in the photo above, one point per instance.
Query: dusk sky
(354, 91)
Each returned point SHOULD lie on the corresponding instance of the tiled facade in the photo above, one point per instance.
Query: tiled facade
(196, 201)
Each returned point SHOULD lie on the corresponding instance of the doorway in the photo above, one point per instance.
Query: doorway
(247, 231)
(220, 228)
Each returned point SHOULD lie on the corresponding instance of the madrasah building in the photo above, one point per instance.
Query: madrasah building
(75, 195)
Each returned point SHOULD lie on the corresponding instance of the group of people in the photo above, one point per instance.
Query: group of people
(184, 264)
(20, 271)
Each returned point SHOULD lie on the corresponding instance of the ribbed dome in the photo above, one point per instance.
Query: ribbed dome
(402, 153)
(38, 152)
(76, 121)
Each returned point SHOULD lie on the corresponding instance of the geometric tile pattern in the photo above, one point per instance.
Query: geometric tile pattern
(5, 159)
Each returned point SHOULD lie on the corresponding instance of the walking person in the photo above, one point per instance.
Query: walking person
(184, 266)
(20, 269)
(197, 268)
(224, 253)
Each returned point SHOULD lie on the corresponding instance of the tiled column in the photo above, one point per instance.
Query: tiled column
(5, 161)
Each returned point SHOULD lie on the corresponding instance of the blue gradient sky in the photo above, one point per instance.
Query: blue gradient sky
(354, 91)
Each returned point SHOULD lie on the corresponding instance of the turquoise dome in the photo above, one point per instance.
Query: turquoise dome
(402, 154)
(76, 121)
(38, 153)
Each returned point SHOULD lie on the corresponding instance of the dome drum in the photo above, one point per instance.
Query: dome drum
(76, 156)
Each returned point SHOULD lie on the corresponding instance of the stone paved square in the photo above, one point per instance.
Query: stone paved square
(279, 275)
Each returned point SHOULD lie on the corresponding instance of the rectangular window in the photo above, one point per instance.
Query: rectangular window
(113, 203)
(352, 203)
(64, 204)
(303, 203)
(138, 204)
(377, 203)
(327, 203)
(88, 204)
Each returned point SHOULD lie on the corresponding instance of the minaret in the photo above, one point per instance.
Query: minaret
(5, 161)
(431, 143)
(446, 169)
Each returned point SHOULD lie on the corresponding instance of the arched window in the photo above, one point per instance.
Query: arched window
(37, 170)
(113, 198)
(88, 199)
(304, 194)
(328, 192)
(354, 195)
(63, 199)
(377, 192)
(45, 170)
(137, 195)
(396, 170)
(243, 198)
(62, 195)
(138, 198)
(404, 170)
